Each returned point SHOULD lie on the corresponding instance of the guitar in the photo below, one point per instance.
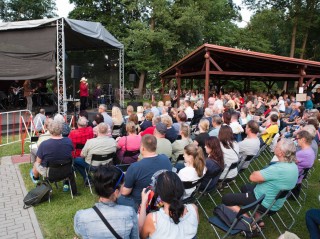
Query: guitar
(16, 90)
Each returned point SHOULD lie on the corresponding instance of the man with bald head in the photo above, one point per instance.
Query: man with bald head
(102, 145)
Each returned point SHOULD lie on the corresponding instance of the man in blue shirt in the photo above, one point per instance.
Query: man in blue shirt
(139, 174)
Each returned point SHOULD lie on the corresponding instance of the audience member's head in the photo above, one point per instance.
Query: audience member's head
(226, 136)
(130, 109)
(107, 181)
(99, 118)
(193, 156)
(59, 118)
(216, 121)
(226, 118)
(167, 120)
(47, 123)
(204, 125)
(285, 150)
(311, 130)
(133, 118)
(131, 128)
(84, 113)
(148, 144)
(82, 122)
(274, 118)
(116, 113)
(102, 108)
(181, 117)
(160, 130)
(185, 130)
(253, 127)
(55, 128)
(156, 120)
(140, 109)
(208, 112)
(42, 111)
(304, 138)
(149, 116)
(103, 128)
(214, 151)
(170, 189)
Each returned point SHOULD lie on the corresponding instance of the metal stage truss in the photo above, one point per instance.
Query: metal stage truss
(62, 100)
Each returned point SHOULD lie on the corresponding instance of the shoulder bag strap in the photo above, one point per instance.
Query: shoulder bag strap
(106, 223)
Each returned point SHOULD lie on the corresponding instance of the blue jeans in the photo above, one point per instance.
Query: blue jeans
(313, 222)
(127, 201)
(81, 165)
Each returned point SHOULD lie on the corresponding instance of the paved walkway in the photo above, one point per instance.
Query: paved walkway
(15, 222)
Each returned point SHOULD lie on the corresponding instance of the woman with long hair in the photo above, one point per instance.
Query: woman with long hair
(117, 121)
(203, 135)
(194, 166)
(230, 150)
(214, 163)
(226, 118)
(87, 223)
(174, 220)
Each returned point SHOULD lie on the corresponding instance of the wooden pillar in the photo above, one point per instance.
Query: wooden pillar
(302, 74)
(178, 77)
(206, 84)
(162, 89)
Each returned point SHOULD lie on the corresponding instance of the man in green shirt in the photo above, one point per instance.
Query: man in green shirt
(282, 175)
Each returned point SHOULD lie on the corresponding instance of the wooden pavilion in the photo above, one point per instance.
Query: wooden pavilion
(218, 63)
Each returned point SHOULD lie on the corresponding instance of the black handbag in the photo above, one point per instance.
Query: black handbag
(41, 193)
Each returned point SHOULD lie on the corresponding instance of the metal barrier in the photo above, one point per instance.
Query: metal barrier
(17, 126)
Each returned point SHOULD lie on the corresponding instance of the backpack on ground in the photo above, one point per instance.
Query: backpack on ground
(39, 194)
(227, 216)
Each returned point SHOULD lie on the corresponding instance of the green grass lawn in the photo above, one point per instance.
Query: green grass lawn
(56, 218)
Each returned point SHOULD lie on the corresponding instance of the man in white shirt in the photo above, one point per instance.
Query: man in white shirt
(251, 144)
(39, 120)
(188, 110)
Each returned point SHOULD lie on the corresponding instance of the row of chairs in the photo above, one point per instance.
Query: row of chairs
(245, 168)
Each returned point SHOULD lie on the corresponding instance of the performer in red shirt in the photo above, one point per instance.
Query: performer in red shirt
(84, 93)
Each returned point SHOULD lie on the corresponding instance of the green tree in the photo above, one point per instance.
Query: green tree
(19, 10)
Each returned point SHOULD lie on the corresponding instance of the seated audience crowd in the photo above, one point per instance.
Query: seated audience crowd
(165, 146)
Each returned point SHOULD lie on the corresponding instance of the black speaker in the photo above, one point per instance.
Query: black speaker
(132, 77)
(75, 72)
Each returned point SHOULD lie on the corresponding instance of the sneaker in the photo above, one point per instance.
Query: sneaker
(65, 188)
(35, 181)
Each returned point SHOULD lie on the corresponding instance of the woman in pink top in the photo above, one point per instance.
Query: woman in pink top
(129, 146)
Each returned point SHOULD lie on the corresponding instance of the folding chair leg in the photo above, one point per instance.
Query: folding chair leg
(70, 188)
(275, 224)
(215, 231)
(215, 204)
(87, 176)
(204, 211)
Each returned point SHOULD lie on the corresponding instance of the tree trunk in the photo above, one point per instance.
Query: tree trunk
(141, 82)
(304, 44)
(293, 44)
(293, 37)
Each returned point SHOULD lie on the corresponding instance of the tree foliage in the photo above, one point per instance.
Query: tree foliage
(19, 10)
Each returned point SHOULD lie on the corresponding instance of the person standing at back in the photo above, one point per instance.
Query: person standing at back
(84, 93)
